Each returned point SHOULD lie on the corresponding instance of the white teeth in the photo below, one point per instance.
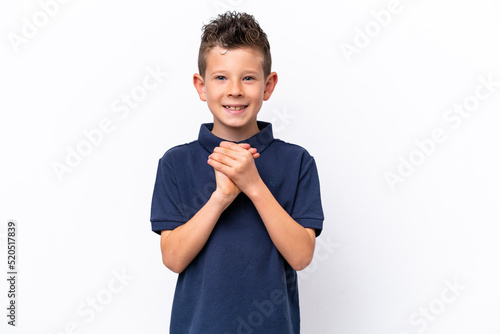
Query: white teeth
(234, 108)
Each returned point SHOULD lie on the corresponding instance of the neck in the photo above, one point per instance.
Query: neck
(233, 133)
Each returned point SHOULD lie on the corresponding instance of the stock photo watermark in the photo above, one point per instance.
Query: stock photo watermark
(222, 6)
(263, 309)
(121, 108)
(325, 248)
(430, 312)
(31, 26)
(88, 309)
(452, 117)
(281, 118)
(12, 272)
(363, 37)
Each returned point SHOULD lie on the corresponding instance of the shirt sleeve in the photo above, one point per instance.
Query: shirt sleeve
(166, 205)
(307, 209)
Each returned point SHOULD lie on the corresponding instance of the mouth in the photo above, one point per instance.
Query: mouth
(235, 109)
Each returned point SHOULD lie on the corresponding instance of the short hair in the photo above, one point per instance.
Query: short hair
(233, 30)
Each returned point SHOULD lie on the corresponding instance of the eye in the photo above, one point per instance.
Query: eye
(249, 78)
(220, 77)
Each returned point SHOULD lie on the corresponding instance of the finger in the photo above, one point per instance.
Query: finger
(222, 158)
(235, 155)
(218, 166)
(254, 152)
(229, 152)
(250, 149)
(247, 146)
(231, 145)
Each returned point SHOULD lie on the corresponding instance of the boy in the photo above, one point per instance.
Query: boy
(236, 226)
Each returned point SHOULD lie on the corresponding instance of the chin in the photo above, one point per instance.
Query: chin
(234, 123)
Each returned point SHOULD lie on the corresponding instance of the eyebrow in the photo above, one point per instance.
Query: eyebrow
(252, 72)
(223, 72)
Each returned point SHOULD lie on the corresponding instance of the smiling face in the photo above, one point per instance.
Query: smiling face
(234, 87)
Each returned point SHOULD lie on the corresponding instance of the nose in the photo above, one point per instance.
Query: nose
(234, 88)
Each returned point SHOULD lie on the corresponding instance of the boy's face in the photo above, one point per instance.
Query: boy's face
(234, 87)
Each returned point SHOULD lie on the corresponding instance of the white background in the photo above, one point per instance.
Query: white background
(387, 255)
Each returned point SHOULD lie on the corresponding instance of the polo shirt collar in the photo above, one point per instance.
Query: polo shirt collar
(260, 140)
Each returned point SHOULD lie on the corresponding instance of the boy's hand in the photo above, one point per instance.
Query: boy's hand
(236, 161)
(225, 186)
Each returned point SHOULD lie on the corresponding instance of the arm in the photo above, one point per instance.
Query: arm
(294, 242)
(180, 246)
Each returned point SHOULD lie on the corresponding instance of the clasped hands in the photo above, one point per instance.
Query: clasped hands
(235, 169)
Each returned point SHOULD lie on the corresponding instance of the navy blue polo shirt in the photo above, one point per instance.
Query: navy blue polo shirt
(239, 282)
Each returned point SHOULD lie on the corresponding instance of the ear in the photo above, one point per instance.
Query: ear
(271, 81)
(199, 84)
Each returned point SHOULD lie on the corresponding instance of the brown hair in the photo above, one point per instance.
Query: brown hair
(233, 30)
